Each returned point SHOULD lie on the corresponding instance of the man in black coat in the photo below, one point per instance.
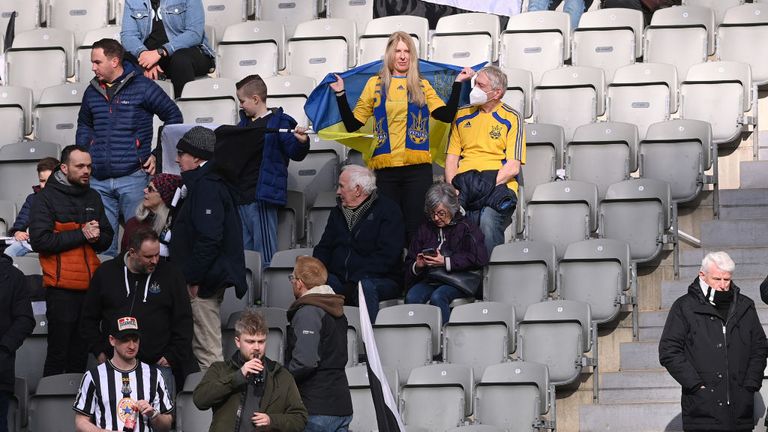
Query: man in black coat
(16, 323)
(207, 241)
(713, 345)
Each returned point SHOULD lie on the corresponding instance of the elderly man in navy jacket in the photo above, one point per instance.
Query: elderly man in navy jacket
(115, 125)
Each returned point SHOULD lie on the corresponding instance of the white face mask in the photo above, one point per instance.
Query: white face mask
(477, 96)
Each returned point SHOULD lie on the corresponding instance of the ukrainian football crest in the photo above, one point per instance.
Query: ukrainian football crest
(417, 130)
(380, 132)
(495, 132)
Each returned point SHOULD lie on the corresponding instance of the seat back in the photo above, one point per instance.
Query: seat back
(608, 39)
(209, 100)
(15, 114)
(602, 153)
(317, 217)
(290, 93)
(364, 419)
(221, 14)
(465, 39)
(277, 290)
(253, 269)
(358, 11)
(277, 325)
(7, 216)
(536, 41)
(30, 357)
(355, 345)
(513, 395)
(373, 41)
(48, 46)
(18, 162)
(55, 117)
(637, 212)
(320, 47)
(286, 228)
(83, 71)
(681, 36)
(719, 7)
(288, 12)
(316, 174)
(643, 94)
(27, 14)
(77, 16)
(50, 409)
(519, 91)
(437, 396)
(544, 155)
(188, 417)
(252, 47)
(742, 25)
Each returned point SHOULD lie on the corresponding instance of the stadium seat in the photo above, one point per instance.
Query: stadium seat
(77, 16)
(514, 396)
(544, 155)
(569, 97)
(364, 418)
(17, 406)
(465, 39)
(55, 117)
(678, 152)
(316, 174)
(188, 417)
(602, 153)
(642, 94)
(519, 91)
(318, 214)
(230, 303)
(373, 42)
(50, 408)
(742, 26)
(536, 41)
(521, 274)
(608, 39)
(27, 14)
(596, 272)
(296, 201)
(320, 47)
(719, 93)
(638, 212)
(277, 325)
(407, 336)
(18, 168)
(437, 397)
(7, 216)
(221, 14)
(359, 11)
(252, 47)
(479, 334)
(253, 272)
(277, 291)
(290, 93)
(288, 12)
(52, 48)
(286, 228)
(562, 213)
(355, 345)
(209, 101)
(719, 7)
(30, 357)
(15, 114)
(681, 36)
(83, 66)
(315, 143)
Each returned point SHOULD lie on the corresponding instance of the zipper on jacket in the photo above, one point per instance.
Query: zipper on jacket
(727, 374)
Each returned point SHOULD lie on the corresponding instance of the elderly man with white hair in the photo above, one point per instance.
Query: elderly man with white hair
(363, 241)
(713, 345)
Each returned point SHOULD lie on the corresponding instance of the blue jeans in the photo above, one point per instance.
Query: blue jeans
(574, 8)
(376, 290)
(120, 196)
(492, 224)
(259, 221)
(16, 249)
(437, 295)
(325, 423)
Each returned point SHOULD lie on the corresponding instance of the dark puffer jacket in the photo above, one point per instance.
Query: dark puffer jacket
(16, 319)
(118, 132)
(728, 358)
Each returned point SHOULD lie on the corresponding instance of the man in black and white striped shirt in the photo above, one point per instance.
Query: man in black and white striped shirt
(123, 394)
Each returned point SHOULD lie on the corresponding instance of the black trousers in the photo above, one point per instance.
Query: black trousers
(67, 350)
(184, 65)
(406, 186)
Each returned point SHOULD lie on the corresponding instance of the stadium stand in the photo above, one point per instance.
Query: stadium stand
(359, 11)
(221, 14)
(544, 155)
(742, 25)
(276, 289)
(608, 39)
(373, 41)
(28, 14)
(209, 100)
(364, 419)
(7, 216)
(188, 417)
(437, 397)
(465, 39)
(252, 47)
(354, 337)
(51, 405)
(719, 7)
(15, 114)
(77, 16)
(230, 303)
(519, 91)
(681, 36)
(536, 41)
(317, 216)
(55, 115)
(18, 162)
(32, 49)
(288, 12)
(316, 174)
(290, 93)
(320, 47)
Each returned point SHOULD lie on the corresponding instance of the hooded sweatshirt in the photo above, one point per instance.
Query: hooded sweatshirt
(317, 351)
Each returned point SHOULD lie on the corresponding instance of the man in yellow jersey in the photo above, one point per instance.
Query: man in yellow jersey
(486, 151)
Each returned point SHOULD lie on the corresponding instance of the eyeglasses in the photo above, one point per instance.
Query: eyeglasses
(151, 188)
(441, 214)
(180, 152)
(292, 278)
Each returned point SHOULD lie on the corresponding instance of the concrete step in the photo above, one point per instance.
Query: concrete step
(734, 233)
(750, 287)
(651, 417)
(751, 255)
(753, 174)
(639, 356)
(638, 387)
(744, 204)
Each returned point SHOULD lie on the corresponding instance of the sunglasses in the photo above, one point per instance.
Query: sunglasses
(151, 188)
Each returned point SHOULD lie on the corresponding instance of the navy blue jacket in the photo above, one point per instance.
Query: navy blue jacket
(207, 239)
(372, 249)
(118, 132)
(22, 219)
(279, 149)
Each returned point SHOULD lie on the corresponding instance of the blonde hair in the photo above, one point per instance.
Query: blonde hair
(311, 271)
(161, 216)
(413, 78)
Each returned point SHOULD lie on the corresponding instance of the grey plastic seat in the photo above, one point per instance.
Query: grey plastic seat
(465, 39)
(209, 100)
(479, 334)
(7, 216)
(188, 417)
(536, 41)
(519, 91)
(678, 152)
(221, 14)
(296, 202)
(253, 270)
(288, 12)
(608, 39)
(51, 47)
(364, 419)
(373, 40)
(719, 93)
(597, 272)
(251, 47)
(570, 97)
(561, 213)
(317, 173)
(30, 357)
(544, 155)
(643, 94)
(277, 325)
(317, 216)
(15, 114)
(602, 153)
(83, 71)
(681, 36)
(567, 327)
(77, 16)
(355, 345)
(437, 397)
(520, 274)
(290, 93)
(320, 47)
(407, 336)
(719, 7)
(18, 171)
(50, 408)
(638, 212)
(55, 116)
(276, 288)
(513, 396)
(231, 304)
(741, 26)
(359, 11)
(27, 14)
(286, 229)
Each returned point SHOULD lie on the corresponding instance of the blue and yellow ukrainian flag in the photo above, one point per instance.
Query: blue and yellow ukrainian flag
(324, 114)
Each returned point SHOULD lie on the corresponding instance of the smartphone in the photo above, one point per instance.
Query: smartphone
(429, 252)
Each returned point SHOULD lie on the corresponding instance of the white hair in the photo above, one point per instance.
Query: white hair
(361, 176)
(161, 216)
(721, 260)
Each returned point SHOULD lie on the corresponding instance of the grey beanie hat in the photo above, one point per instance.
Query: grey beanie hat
(198, 142)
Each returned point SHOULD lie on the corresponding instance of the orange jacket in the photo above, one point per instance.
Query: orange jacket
(71, 269)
